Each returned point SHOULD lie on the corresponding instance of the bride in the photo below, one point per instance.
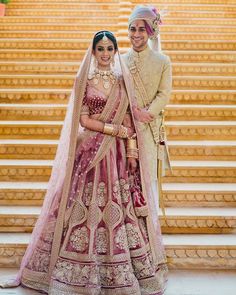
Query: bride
(98, 232)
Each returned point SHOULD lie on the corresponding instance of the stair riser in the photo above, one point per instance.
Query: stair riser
(177, 224)
(103, 7)
(30, 132)
(93, 28)
(73, 55)
(40, 152)
(187, 44)
(84, 44)
(164, 2)
(217, 257)
(83, 35)
(173, 132)
(67, 81)
(201, 257)
(134, 2)
(220, 153)
(171, 114)
(25, 173)
(201, 175)
(22, 197)
(75, 13)
(183, 174)
(27, 197)
(180, 20)
(47, 152)
(201, 132)
(199, 199)
(65, 68)
(61, 97)
(92, 7)
(63, 19)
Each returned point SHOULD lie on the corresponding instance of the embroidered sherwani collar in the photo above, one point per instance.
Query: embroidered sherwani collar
(142, 54)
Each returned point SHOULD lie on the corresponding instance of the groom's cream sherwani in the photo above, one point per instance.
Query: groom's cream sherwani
(155, 71)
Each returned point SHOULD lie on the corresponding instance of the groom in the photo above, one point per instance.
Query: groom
(152, 76)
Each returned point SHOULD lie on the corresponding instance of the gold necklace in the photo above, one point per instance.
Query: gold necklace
(107, 77)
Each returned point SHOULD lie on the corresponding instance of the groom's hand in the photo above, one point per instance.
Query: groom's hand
(143, 115)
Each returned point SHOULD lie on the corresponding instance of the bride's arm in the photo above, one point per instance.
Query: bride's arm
(91, 124)
(132, 162)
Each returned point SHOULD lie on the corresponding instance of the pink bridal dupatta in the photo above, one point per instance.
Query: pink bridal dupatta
(58, 197)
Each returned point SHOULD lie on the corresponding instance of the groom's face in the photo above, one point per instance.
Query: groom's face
(138, 35)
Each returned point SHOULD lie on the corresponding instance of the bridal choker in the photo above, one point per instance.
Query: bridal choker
(107, 77)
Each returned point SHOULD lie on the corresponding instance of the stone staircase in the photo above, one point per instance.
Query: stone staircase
(41, 47)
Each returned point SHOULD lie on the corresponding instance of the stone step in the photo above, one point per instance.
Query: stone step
(201, 172)
(197, 130)
(183, 250)
(29, 112)
(46, 67)
(200, 36)
(30, 130)
(201, 251)
(200, 20)
(178, 220)
(77, 12)
(47, 96)
(79, 5)
(52, 112)
(186, 44)
(212, 97)
(191, 281)
(60, 19)
(28, 149)
(77, 55)
(167, 28)
(100, 6)
(199, 194)
(22, 193)
(25, 170)
(201, 150)
(182, 171)
(176, 130)
(174, 194)
(134, 2)
(82, 44)
(179, 150)
(66, 81)
(7, 27)
(197, 113)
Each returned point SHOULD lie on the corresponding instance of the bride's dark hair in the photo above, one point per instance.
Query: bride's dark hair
(99, 35)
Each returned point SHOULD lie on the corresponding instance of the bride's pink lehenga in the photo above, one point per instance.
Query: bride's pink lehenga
(98, 231)
(105, 246)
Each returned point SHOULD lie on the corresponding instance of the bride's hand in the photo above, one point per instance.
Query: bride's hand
(132, 165)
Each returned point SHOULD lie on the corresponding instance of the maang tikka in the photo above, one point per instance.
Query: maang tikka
(104, 39)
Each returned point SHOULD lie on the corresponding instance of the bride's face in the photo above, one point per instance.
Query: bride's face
(104, 53)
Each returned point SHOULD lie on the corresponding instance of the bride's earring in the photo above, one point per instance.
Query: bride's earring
(113, 62)
(95, 62)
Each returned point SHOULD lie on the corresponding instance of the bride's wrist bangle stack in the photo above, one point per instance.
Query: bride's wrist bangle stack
(132, 150)
(110, 129)
(115, 130)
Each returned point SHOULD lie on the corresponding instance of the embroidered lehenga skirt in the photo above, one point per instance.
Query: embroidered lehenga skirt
(104, 247)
